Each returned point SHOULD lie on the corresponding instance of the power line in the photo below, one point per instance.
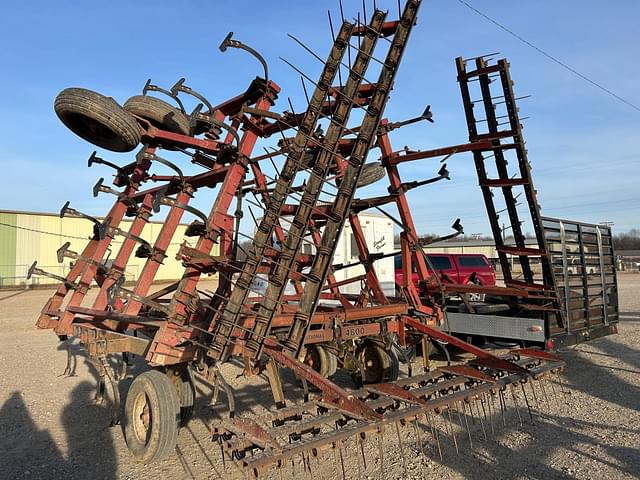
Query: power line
(550, 57)
(42, 231)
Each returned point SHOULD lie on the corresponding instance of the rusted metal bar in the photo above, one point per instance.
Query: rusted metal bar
(342, 203)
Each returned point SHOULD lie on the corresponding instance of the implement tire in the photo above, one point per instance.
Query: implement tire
(159, 113)
(379, 365)
(317, 358)
(151, 416)
(97, 119)
(371, 173)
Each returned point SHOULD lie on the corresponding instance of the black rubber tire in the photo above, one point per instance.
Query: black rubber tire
(159, 113)
(187, 398)
(318, 359)
(394, 366)
(153, 392)
(371, 173)
(383, 365)
(97, 119)
(332, 363)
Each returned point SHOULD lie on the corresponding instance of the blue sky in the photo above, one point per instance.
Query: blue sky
(582, 142)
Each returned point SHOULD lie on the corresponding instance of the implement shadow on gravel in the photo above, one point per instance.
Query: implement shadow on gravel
(552, 432)
(34, 453)
(548, 435)
(584, 373)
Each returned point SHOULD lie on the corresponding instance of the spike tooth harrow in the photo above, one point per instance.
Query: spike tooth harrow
(317, 425)
(182, 327)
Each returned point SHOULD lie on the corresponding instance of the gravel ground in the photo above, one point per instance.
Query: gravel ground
(51, 429)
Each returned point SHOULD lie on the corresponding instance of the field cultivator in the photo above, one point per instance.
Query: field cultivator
(305, 191)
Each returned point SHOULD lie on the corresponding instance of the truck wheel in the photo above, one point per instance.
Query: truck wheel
(159, 113)
(152, 416)
(97, 119)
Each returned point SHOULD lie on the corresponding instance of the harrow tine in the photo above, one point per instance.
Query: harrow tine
(555, 394)
(503, 407)
(453, 434)
(339, 443)
(434, 433)
(484, 432)
(360, 441)
(484, 413)
(526, 401)
(561, 384)
(470, 403)
(544, 392)
(535, 397)
(418, 437)
(466, 422)
(224, 461)
(381, 454)
(306, 467)
(515, 403)
(279, 467)
(404, 460)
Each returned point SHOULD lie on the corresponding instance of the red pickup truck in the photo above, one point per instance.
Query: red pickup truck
(459, 268)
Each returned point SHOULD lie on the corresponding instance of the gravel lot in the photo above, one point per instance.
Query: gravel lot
(51, 429)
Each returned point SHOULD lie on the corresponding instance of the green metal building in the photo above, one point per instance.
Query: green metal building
(29, 236)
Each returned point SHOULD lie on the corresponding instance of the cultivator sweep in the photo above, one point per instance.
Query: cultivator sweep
(302, 320)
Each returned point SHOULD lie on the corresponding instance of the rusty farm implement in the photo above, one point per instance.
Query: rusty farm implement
(304, 187)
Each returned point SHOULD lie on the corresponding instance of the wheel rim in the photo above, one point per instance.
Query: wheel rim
(373, 365)
(142, 418)
(313, 359)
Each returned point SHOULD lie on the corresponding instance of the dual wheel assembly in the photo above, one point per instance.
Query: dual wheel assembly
(372, 362)
(155, 409)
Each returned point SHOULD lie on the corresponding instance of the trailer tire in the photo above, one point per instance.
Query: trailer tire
(97, 119)
(159, 113)
(151, 416)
